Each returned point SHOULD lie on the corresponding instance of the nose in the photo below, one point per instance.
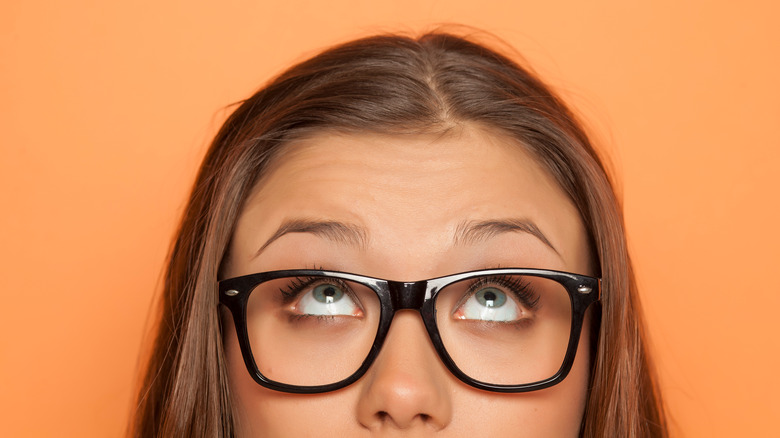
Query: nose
(407, 386)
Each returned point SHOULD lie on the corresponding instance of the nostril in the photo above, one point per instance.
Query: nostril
(385, 417)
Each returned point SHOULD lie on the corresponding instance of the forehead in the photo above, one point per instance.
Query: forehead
(412, 189)
(419, 168)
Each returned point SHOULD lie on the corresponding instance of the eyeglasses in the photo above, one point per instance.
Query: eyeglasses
(503, 330)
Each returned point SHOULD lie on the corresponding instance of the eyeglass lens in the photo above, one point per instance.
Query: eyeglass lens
(507, 329)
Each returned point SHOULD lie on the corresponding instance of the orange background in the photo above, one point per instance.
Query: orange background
(107, 108)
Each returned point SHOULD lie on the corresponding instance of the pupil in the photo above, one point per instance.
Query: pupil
(489, 296)
(329, 292)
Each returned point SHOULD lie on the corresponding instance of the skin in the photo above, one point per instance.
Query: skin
(409, 194)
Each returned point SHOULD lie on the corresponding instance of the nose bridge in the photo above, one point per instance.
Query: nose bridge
(407, 295)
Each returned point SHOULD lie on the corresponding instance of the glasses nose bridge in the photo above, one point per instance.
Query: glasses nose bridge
(407, 295)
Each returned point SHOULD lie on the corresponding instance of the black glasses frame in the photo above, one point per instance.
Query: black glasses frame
(418, 295)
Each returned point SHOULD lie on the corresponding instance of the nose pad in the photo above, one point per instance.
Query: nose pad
(407, 386)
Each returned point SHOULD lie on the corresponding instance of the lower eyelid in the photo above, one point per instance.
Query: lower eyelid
(298, 318)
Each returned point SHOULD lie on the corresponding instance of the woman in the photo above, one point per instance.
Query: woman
(295, 302)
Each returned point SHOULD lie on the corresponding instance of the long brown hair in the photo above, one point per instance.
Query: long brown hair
(390, 85)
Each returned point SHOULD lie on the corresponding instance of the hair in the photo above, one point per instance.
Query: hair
(392, 85)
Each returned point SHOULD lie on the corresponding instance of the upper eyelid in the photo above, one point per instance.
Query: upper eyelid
(301, 284)
(501, 280)
(432, 285)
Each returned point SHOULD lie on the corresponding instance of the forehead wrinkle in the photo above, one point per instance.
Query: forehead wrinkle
(472, 232)
(340, 232)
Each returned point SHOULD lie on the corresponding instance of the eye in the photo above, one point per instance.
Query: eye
(327, 299)
(499, 300)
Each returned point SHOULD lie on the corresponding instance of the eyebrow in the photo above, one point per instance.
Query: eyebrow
(332, 230)
(467, 232)
(471, 232)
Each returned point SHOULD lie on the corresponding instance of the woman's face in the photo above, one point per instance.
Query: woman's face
(408, 196)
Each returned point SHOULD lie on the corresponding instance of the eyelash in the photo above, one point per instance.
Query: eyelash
(522, 290)
(297, 285)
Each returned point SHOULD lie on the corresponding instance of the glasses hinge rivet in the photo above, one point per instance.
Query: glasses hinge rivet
(231, 292)
(584, 289)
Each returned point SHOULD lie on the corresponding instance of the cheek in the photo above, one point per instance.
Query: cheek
(242, 385)
(243, 389)
(550, 413)
(262, 412)
(553, 412)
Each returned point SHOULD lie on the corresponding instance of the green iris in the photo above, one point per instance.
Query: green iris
(327, 293)
(491, 297)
